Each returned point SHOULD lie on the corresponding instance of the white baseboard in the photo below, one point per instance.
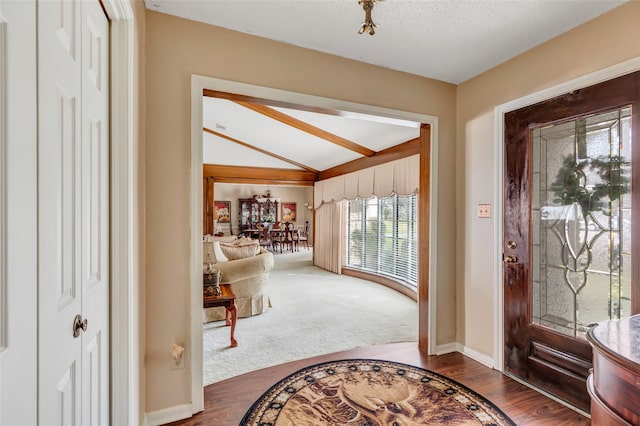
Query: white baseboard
(471, 353)
(168, 415)
(478, 356)
(448, 348)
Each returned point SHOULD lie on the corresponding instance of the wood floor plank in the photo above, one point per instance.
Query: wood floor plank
(227, 401)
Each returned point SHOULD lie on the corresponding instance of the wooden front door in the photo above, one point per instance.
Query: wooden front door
(571, 198)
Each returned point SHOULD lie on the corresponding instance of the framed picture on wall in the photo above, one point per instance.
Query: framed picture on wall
(288, 212)
(223, 208)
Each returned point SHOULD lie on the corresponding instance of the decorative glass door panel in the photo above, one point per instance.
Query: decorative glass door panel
(581, 222)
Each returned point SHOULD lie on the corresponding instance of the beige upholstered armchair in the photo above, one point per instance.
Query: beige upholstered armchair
(248, 277)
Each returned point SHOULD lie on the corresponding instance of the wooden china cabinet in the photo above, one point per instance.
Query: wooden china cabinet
(251, 212)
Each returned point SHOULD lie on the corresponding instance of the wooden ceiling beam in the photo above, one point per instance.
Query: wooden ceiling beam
(260, 150)
(259, 175)
(269, 102)
(308, 128)
(247, 181)
(320, 110)
(406, 149)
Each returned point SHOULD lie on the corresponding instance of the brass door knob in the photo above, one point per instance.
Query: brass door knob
(510, 259)
(78, 325)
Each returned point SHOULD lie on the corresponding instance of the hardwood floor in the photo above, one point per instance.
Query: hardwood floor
(227, 401)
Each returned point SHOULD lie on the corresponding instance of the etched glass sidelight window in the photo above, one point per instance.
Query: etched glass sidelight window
(581, 218)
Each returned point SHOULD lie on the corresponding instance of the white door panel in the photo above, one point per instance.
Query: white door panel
(95, 207)
(95, 410)
(18, 214)
(66, 390)
(59, 150)
(73, 212)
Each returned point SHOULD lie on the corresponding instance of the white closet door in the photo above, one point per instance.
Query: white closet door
(95, 214)
(73, 248)
(18, 214)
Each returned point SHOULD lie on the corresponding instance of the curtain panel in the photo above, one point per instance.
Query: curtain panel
(400, 177)
(327, 248)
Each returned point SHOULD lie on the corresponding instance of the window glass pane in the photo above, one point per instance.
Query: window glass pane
(382, 236)
(354, 233)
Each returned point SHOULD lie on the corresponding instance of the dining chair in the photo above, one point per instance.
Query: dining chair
(303, 235)
(287, 237)
(275, 234)
(264, 237)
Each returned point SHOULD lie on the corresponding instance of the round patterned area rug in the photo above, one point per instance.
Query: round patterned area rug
(371, 392)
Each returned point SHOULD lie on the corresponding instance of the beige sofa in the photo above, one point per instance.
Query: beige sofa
(249, 278)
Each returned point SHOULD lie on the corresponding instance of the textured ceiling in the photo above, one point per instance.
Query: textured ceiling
(449, 40)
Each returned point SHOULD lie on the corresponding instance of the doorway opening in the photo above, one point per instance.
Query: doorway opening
(428, 156)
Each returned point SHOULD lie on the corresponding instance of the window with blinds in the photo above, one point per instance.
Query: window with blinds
(382, 237)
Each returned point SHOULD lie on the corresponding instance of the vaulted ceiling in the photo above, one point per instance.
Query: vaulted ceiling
(240, 133)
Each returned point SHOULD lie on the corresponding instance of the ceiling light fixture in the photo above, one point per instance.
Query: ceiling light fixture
(267, 199)
(368, 26)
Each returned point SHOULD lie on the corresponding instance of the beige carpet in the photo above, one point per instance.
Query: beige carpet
(314, 312)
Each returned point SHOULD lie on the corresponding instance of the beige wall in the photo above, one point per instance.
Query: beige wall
(607, 40)
(175, 49)
(289, 194)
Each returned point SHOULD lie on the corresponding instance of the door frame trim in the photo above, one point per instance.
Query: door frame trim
(3, 185)
(124, 312)
(198, 83)
(599, 76)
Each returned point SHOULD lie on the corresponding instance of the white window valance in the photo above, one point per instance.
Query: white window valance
(400, 177)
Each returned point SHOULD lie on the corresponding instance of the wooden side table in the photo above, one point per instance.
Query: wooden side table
(228, 300)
